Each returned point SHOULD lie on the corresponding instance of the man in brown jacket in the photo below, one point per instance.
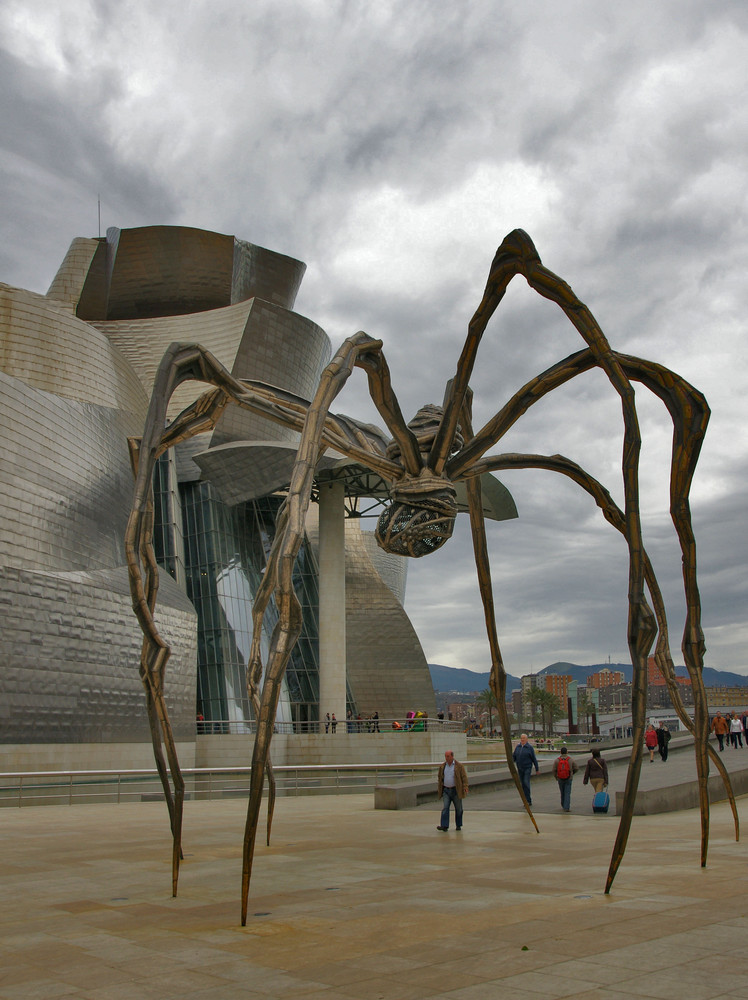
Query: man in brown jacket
(720, 727)
(453, 787)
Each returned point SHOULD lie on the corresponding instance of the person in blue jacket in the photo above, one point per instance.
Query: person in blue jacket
(525, 759)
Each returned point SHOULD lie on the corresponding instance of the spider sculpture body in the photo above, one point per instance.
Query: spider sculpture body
(421, 464)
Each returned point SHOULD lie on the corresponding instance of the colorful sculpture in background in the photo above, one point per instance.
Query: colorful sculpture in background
(421, 464)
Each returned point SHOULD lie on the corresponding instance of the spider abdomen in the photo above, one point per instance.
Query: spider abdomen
(420, 518)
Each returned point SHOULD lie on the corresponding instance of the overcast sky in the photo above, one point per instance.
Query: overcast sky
(391, 146)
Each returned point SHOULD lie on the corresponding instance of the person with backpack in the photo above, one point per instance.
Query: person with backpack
(563, 771)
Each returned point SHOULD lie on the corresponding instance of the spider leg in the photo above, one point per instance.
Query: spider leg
(517, 255)
(498, 673)
(179, 363)
(152, 686)
(380, 389)
(319, 430)
(497, 678)
(614, 515)
(641, 624)
(506, 264)
(690, 415)
(278, 578)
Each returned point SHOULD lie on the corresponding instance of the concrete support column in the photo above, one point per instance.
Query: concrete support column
(332, 666)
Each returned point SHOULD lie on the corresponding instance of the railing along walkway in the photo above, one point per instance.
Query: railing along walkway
(21, 788)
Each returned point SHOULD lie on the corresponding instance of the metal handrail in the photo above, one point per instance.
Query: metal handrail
(207, 727)
(51, 787)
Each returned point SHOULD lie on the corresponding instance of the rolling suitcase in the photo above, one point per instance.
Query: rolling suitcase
(600, 802)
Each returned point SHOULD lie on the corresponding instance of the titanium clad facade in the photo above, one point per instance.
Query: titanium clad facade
(76, 371)
(68, 651)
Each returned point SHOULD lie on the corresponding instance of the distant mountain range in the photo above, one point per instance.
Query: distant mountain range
(464, 681)
(467, 681)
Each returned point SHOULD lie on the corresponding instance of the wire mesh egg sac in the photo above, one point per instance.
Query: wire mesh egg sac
(409, 530)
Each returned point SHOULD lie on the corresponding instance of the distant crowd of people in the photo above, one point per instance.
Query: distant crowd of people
(413, 722)
(734, 727)
(657, 739)
(452, 781)
(353, 723)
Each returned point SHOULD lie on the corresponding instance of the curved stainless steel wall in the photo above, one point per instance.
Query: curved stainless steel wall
(76, 371)
(69, 644)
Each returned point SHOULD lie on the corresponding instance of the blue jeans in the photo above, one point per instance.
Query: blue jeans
(449, 795)
(564, 785)
(524, 777)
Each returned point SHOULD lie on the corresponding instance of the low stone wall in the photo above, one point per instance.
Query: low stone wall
(24, 757)
(331, 749)
(223, 750)
(684, 795)
(410, 794)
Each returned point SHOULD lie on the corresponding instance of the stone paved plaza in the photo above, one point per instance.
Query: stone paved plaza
(350, 902)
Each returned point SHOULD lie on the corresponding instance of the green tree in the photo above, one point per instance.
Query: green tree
(550, 710)
(487, 701)
(535, 699)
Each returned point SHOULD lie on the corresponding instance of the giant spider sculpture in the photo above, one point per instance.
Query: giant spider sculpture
(421, 464)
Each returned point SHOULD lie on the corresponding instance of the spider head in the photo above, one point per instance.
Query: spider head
(420, 518)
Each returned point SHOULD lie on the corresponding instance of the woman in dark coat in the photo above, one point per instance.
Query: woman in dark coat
(596, 772)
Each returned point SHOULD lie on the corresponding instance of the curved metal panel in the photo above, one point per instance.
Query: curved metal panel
(67, 284)
(280, 348)
(65, 481)
(154, 271)
(43, 343)
(70, 651)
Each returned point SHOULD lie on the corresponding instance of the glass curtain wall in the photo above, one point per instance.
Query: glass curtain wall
(220, 553)
(168, 543)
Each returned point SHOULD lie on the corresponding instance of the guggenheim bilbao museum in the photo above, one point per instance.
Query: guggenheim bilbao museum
(76, 368)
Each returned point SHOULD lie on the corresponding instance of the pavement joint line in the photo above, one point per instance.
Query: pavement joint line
(412, 914)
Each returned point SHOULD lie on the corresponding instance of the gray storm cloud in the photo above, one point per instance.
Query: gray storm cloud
(391, 147)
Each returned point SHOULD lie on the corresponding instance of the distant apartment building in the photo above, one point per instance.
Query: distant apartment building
(461, 711)
(614, 698)
(733, 698)
(529, 681)
(558, 684)
(605, 678)
(555, 683)
(659, 697)
(657, 692)
(654, 677)
(516, 704)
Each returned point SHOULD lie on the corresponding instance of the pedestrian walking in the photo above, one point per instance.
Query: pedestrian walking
(453, 786)
(564, 769)
(650, 739)
(596, 772)
(736, 732)
(663, 738)
(720, 728)
(525, 759)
